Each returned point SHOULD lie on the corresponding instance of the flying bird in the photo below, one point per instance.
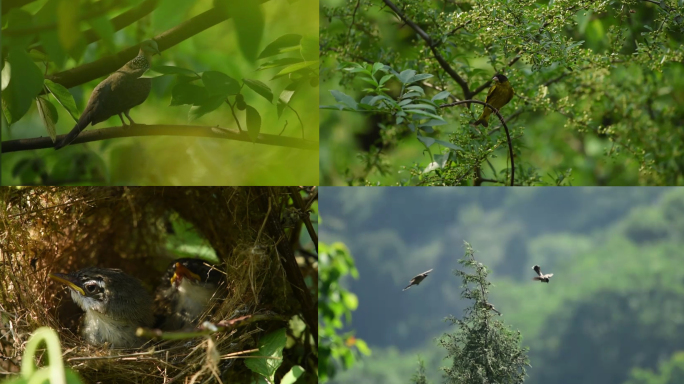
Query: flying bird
(543, 278)
(416, 280)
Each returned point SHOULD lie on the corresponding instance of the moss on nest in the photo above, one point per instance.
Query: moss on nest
(48, 230)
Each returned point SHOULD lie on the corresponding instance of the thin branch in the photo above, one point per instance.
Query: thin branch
(299, 203)
(442, 62)
(508, 135)
(106, 65)
(160, 130)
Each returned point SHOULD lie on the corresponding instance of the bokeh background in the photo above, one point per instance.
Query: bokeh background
(162, 160)
(613, 312)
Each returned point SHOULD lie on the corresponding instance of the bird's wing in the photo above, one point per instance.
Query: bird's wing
(549, 275)
(426, 272)
(536, 278)
(409, 286)
(491, 91)
(537, 269)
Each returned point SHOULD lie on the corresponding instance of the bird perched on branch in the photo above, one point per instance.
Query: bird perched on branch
(490, 307)
(416, 280)
(499, 95)
(117, 94)
(185, 293)
(543, 278)
(115, 305)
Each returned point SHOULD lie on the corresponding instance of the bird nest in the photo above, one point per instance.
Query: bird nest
(140, 230)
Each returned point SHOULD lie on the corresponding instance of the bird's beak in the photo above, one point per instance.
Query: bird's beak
(181, 272)
(67, 280)
(495, 79)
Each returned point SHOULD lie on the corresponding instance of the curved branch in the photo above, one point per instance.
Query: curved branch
(508, 135)
(160, 130)
(299, 203)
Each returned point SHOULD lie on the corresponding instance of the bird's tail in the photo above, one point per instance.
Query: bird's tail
(484, 117)
(71, 136)
(410, 285)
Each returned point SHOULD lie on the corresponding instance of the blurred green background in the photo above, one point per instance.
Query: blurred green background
(165, 160)
(612, 313)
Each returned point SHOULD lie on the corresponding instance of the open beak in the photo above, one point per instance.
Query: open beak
(183, 272)
(68, 281)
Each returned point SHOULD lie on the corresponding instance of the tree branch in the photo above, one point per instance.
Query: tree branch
(106, 65)
(508, 135)
(442, 62)
(160, 130)
(299, 203)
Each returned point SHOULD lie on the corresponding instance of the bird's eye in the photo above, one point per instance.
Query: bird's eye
(91, 287)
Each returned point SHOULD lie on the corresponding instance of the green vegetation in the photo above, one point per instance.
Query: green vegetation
(230, 102)
(598, 89)
(612, 313)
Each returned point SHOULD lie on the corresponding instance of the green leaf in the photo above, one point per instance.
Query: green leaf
(46, 15)
(260, 88)
(218, 83)
(48, 113)
(279, 63)
(64, 98)
(103, 27)
(449, 145)
(344, 99)
(253, 123)
(428, 141)
(295, 67)
(418, 77)
(271, 346)
(404, 76)
(26, 82)
(186, 93)
(310, 48)
(171, 70)
(292, 375)
(280, 45)
(210, 104)
(441, 96)
(249, 24)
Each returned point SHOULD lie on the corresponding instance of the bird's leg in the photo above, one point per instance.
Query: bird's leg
(123, 123)
(129, 117)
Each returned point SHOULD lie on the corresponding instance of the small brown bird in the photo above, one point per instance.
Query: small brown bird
(115, 305)
(416, 280)
(185, 293)
(117, 94)
(541, 277)
(490, 307)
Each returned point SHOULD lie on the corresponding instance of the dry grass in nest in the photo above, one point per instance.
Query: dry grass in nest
(48, 230)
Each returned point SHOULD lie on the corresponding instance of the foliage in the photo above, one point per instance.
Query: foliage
(419, 376)
(54, 372)
(334, 302)
(260, 66)
(670, 372)
(483, 350)
(597, 83)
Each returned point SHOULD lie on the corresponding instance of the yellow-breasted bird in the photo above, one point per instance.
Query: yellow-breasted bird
(499, 95)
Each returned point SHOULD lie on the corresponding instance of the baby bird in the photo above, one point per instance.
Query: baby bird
(185, 293)
(416, 280)
(115, 305)
(541, 277)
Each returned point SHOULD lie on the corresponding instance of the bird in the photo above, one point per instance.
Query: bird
(185, 292)
(416, 280)
(499, 95)
(115, 305)
(117, 94)
(490, 307)
(541, 277)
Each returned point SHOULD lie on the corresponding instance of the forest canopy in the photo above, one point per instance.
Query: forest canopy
(597, 92)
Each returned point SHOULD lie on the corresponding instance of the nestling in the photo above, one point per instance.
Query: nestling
(117, 94)
(115, 305)
(185, 293)
(499, 95)
(541, 277)
(416, 280)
